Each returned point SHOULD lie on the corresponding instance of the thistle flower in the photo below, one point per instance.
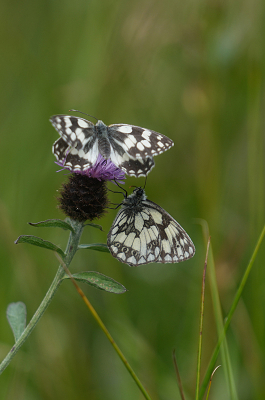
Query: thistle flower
(103, 170)
(84, 196)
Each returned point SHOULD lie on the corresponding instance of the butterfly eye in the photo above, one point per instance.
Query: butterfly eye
(125, 249)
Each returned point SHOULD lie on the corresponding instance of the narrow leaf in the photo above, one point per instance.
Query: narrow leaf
(53, 223)
(95, 226)
(95, 246)
(99, 281)
(16, 314)
(36, 241)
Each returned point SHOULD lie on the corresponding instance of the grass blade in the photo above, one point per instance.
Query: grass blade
(201, 323)
(229, 316)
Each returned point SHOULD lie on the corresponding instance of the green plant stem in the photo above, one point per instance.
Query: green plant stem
(105, 330)
(229, 316)
(117, 349)
(71, 249)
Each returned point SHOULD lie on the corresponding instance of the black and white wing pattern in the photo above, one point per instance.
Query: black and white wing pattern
(129, 147)
(143, 232)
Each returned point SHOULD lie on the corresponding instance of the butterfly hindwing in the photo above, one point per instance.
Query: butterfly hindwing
(175, 245)
(143, 232)
(72, 158)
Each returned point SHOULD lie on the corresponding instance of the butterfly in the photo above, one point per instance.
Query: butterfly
(143, 232)
(129, 147)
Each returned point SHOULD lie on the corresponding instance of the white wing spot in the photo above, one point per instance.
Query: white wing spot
(157, 217)
(131, 260)
(151, 257)
(82, 123)
(67, 122)
(157, 251)
(122, 256)
(146, 134)
(180, 252)
(146, 143)
(81, 153)
(160, 144)
(125, 129)
(137, 244)
(129, 240)
(139, 147)
(139, 223)
(166, 246)
(129, 143)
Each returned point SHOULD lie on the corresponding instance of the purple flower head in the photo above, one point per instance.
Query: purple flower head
(103, 170)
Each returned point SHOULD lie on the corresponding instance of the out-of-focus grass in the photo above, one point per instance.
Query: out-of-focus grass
(193, 71)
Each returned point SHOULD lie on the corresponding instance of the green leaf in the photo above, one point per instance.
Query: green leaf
(95, 246)
(16, 314)
(95, 226)
(53, 223)
(36, 241)
(99, 281)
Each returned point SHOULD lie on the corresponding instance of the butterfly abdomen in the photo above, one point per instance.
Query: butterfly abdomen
(103, 140)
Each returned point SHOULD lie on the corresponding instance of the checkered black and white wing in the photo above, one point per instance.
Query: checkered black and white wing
(143, 232)
(129, 147)
(74, 160)
(139, 142)
(133, 238)
(69, 157)
(77, 148)
(175, 244)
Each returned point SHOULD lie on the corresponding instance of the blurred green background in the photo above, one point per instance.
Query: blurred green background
(193, 71)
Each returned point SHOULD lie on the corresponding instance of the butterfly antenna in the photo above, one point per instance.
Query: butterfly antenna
(139, 187)
(81, 112)
(126, 193)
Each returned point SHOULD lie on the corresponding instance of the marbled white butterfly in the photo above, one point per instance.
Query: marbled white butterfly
(129, 147)
(143, 232)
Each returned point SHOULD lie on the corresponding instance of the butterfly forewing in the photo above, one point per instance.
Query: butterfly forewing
(129, 147)
(143, 232)
(76, 132)
(134, 238)
(140, 142)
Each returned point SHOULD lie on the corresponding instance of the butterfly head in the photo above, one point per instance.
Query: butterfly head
(139, 193)
(135, 198)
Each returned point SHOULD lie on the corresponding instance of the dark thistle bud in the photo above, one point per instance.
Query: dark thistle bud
(83, 198)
